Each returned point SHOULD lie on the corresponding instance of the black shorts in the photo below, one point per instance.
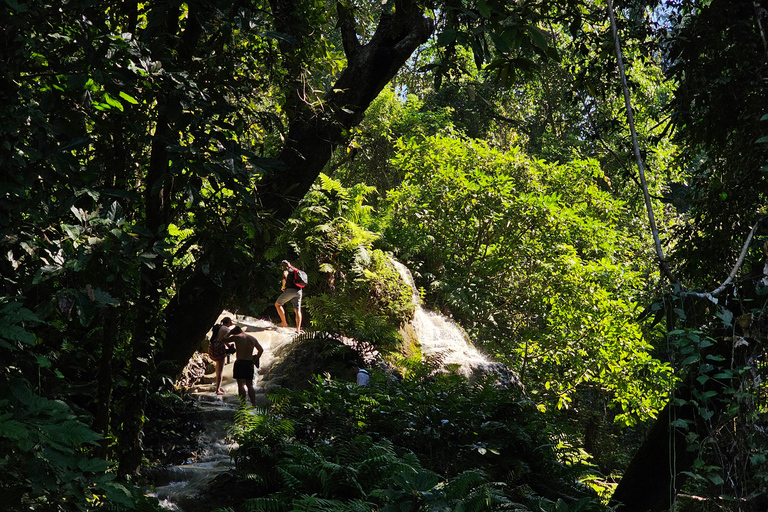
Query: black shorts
(243, 370)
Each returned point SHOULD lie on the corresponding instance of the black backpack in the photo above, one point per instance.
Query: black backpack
(299, 277)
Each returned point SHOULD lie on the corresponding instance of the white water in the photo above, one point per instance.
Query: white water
(185, 481)
(176, 485)
(440, 336)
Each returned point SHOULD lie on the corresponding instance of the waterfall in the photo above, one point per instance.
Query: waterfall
(175, 485)
(440, 336)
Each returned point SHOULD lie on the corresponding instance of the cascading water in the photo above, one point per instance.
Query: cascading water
(437, 335)
(440, 336)
(176, 484)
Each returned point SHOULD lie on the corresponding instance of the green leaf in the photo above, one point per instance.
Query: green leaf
(447, 37)
(127, 97)
(484, 9)
(112, 102)
(715, 479)
(690, 360)
(537, 36)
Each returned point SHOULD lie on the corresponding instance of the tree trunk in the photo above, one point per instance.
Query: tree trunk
(157, 191)
(655, 474)
(312, 137)
(647, 482)
(105, 381)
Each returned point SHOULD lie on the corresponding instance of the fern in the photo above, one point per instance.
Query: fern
(266, 505)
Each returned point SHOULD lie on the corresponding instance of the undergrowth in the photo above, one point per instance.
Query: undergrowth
(428, 442)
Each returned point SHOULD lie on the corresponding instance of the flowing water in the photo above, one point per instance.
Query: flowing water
(175, 484)
(438, 336)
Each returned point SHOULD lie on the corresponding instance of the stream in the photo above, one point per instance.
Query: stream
(173, 486)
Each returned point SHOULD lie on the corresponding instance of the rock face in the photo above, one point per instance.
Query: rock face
(194, 371)
(290, 360)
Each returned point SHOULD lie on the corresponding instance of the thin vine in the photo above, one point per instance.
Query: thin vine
(663, 264)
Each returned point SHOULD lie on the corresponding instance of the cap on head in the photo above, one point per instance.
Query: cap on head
(286, 263)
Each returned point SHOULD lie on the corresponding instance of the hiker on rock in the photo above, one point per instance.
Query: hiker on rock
(294, 281)
(217, 349)
(243, 369)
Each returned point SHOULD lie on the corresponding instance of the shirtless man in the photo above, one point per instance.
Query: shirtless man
(243, 369)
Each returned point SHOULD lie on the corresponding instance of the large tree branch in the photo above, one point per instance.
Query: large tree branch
(313, 135)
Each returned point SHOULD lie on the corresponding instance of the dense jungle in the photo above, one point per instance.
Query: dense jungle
(580, 185)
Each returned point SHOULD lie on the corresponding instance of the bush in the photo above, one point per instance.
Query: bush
(434, 436)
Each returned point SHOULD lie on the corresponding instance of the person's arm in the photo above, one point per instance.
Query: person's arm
(285, 279)
(259, 351)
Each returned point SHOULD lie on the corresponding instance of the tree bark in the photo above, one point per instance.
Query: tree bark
(105, 382)
(647, 482)
(313, 135)
(655, 474)
(158, 191)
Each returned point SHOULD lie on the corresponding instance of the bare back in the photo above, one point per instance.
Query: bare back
(245, 345)
(223, 331)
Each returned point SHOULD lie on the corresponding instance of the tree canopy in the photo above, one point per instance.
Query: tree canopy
(159, 159)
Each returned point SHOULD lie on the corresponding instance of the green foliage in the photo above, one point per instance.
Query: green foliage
(12, 335)
(367, 159)
(536, 261)
(414, 444)
(727, 412)
(354, 290)
(718, 48)
(45, 456)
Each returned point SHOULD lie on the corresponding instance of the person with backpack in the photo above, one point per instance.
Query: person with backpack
(218, 349)
(294, 281)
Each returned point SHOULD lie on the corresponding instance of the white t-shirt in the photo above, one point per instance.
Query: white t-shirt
(362, 378)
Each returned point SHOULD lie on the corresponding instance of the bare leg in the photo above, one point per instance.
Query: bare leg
(219, 374)
(281, 312)
(241, 388)
(298, 320)
(245, 388)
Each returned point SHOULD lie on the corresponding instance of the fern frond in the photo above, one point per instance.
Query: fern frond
(303, 453)
(315, 504)
(266, 505)
(465, 482)
(288, 480)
